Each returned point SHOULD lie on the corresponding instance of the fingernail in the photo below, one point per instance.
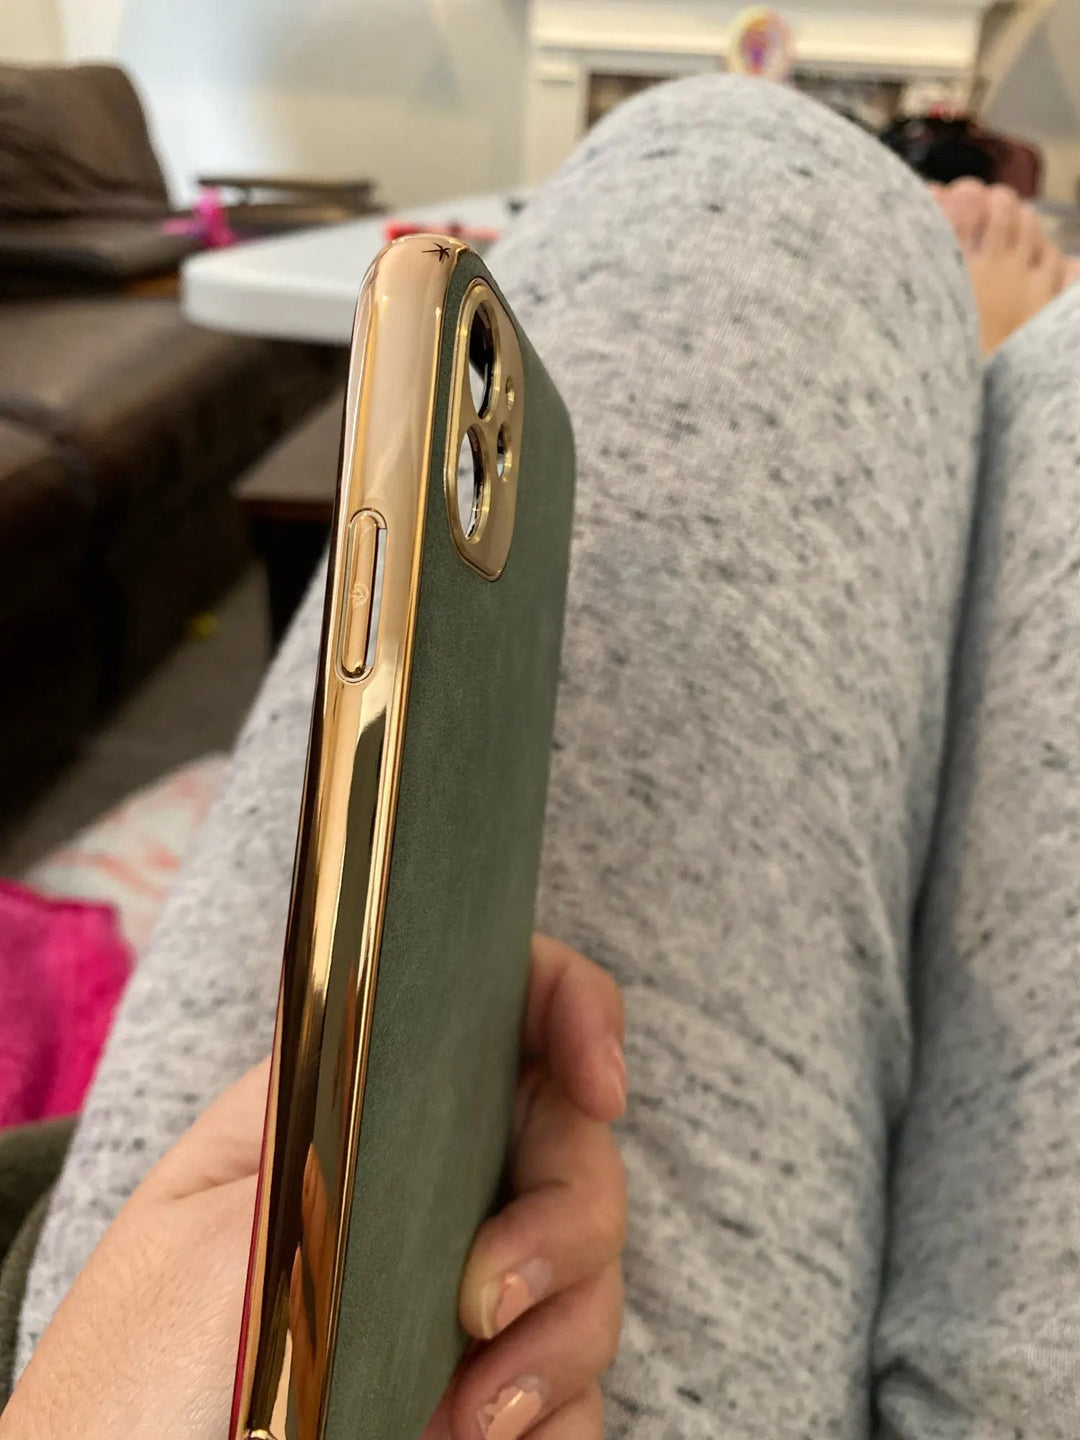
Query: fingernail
(513, 1409)
(502, 1301)
(618, 1070)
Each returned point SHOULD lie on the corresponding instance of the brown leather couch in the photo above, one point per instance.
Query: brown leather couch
(122, 427)
(48, 656)
(154, 419)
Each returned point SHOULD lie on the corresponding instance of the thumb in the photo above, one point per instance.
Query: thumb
(223, 1145)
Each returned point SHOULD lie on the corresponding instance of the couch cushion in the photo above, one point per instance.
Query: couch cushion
(48, 650)
(155, 407)
(73, 141)
(157, 581)
(44, 516)
(94, 249)
(51, 669)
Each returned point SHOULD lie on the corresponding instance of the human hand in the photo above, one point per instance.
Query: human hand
(145, 1343)
(544, 1276)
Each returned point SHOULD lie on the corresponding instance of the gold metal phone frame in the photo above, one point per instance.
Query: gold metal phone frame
(319, 1060)
(499, 419)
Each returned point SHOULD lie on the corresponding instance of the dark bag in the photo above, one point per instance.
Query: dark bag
(945, 149)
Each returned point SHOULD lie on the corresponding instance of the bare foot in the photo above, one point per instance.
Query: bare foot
(1014, 268)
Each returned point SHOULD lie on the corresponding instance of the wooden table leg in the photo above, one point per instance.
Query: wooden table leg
(291, 550)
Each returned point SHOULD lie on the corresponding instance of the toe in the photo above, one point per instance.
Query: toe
(965, 203)
(1003, 221)
(1032, 238)
(1058, 268)
(1045, 280)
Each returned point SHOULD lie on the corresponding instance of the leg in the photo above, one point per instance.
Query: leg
(775, 401)
(763, 332)
(980, 1332)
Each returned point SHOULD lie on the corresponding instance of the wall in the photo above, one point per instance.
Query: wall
(1036, 93)
(886, 36)
(573, 38)
(30, 31)
(424, 96)
(92, 27)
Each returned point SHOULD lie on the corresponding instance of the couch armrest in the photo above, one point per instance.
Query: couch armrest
(92, 250)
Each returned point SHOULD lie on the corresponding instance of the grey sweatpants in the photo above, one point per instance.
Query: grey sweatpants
(839, 891)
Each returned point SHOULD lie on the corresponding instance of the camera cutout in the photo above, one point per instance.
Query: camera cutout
(484, 431)
(470, 483)
(481, 361)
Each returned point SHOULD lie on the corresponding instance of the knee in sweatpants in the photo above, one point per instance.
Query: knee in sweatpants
(1042, 358)
(763, 132)
(728, 176)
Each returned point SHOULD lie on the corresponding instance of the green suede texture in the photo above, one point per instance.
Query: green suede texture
(454, 960)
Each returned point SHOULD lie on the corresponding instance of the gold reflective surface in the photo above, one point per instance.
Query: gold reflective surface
(346, 825)
(495, 429)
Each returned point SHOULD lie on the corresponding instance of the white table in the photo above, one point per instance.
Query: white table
(303, 286)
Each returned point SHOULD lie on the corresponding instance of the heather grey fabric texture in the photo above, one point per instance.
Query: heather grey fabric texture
(980, 1331)
(762, 327)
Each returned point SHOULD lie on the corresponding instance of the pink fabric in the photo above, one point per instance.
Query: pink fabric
(129, 858)
(63, 966)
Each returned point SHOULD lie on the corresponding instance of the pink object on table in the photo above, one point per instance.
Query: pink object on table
(208, 222)
(63, 966)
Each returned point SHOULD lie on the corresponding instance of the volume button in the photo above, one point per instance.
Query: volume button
(364, 545)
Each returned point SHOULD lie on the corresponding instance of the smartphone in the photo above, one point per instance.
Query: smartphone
(406, 956)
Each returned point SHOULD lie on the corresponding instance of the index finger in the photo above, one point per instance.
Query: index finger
(574, 1027)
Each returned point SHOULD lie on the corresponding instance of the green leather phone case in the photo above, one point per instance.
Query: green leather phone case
(459, 913)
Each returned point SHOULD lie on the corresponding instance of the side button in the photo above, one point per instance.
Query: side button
(364, 547)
